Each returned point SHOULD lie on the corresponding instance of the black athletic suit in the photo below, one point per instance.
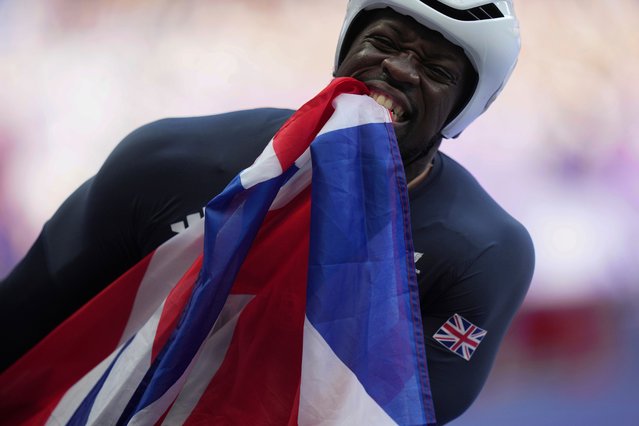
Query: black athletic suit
(476, 261)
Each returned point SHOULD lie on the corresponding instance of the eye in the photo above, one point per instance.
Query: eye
(382, 42)
(441, 74)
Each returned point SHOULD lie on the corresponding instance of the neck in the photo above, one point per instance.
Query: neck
(417, 180)
(417, 172)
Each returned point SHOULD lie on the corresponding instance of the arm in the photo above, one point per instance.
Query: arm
(155, 178)
(82, 248)
(487, 291)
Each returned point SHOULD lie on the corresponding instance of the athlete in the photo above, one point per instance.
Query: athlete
(436, 65)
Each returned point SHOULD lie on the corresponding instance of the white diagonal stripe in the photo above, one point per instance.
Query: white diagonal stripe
(265, 167)
(330, 393)
(296, 184)
(126, 374)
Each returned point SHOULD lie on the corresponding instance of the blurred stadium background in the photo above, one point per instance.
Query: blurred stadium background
(559, 149)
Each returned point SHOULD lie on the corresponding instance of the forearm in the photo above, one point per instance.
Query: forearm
(29, 305)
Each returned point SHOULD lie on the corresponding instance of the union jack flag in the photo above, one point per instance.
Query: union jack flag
(460, 336)
(290, 303)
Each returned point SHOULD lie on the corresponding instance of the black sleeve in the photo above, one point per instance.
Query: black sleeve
(25, 297)
(487, 291)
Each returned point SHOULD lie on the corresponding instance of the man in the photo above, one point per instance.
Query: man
(436, 65)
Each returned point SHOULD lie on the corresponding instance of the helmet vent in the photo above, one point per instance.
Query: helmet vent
(479, 13)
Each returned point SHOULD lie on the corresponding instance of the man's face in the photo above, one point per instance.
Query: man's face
(413, 71)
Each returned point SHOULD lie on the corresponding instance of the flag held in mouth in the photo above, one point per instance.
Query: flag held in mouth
(294, 301)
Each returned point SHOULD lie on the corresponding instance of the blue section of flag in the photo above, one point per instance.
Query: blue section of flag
(359, 296)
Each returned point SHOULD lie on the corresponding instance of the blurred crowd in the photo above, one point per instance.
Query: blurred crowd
(559, 149)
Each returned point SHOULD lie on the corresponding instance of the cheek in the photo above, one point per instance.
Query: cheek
(437, 108)
(356, 60)
(440, 101)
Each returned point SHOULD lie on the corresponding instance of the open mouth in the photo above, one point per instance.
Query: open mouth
(397, 111)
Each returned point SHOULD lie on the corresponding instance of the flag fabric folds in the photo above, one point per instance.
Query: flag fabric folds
(291, 303)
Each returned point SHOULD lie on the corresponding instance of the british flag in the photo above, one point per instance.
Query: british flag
(460, 336)
(290, 303)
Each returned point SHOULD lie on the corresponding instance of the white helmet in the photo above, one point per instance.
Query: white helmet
(488, 33)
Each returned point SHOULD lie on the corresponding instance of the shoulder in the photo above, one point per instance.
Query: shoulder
(454, 201)
(475, 214)
(455, 204)
(219, 124)
(170, 168)
(463, 232)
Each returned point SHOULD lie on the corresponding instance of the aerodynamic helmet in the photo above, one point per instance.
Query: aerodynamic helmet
(487, 31)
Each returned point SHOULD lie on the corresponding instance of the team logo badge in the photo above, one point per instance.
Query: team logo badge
(460, 336)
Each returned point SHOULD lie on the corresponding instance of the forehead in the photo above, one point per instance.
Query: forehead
(405, 29)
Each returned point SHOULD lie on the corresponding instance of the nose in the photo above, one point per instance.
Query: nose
(401, 68)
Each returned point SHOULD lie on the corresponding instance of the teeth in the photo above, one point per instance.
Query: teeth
(397, 112)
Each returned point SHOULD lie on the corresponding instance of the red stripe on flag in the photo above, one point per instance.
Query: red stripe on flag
(272, 253)
(258, 381)
(48, 370)
(463, 338)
